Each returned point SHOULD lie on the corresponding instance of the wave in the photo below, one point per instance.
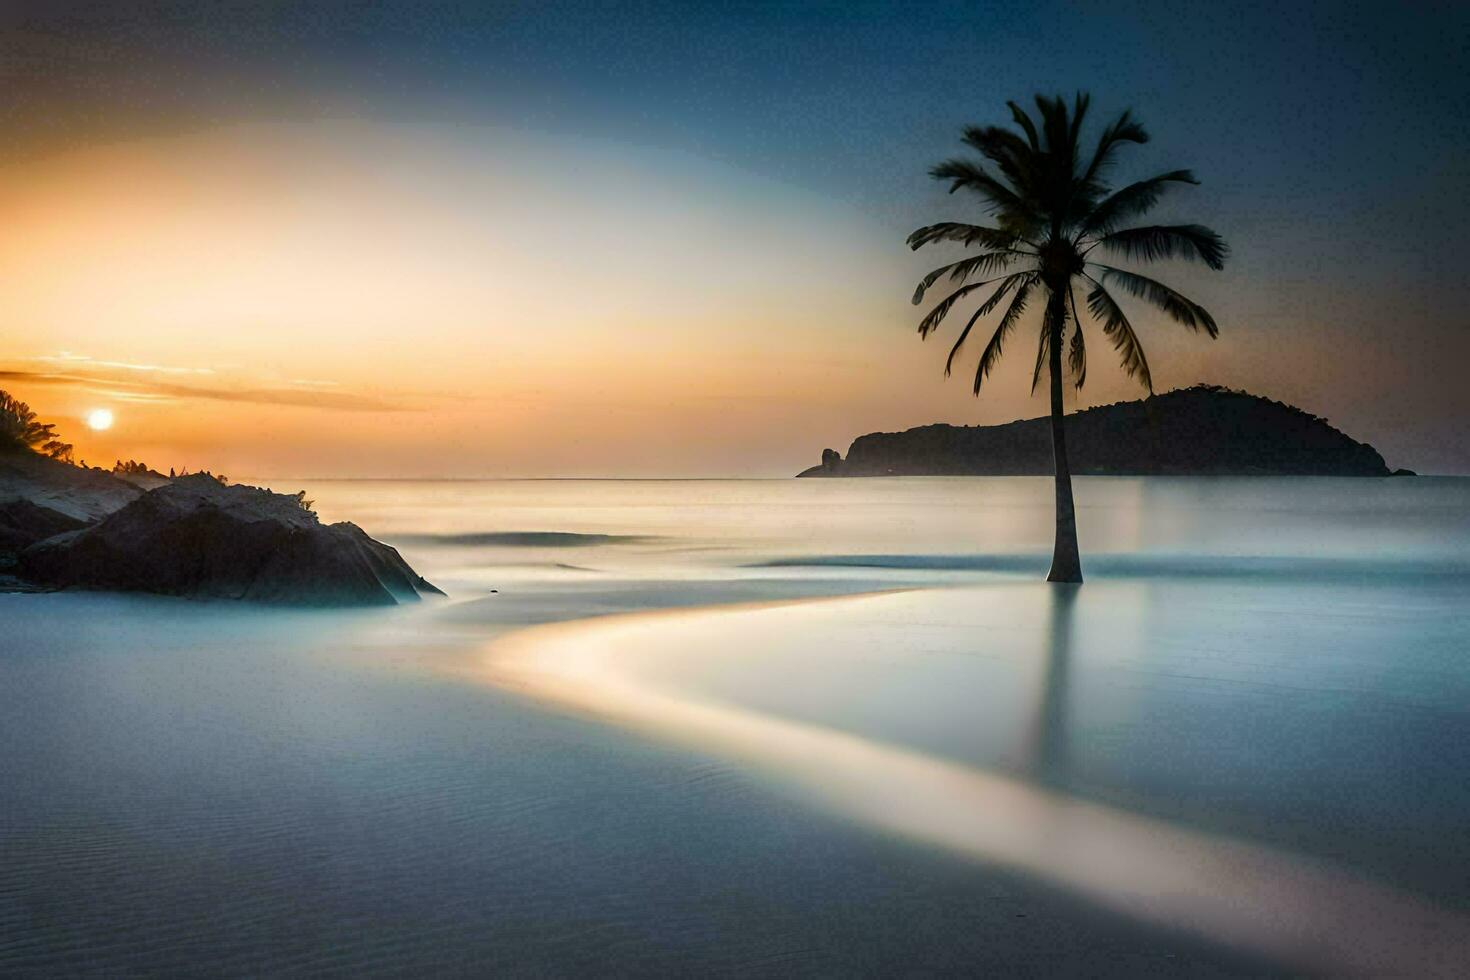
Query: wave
(1263, 567)
(519, 539)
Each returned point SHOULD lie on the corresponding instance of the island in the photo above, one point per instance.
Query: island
(1204, 430)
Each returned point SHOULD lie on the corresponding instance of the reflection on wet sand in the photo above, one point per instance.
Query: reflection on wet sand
(1296, 911)
(1048, 743)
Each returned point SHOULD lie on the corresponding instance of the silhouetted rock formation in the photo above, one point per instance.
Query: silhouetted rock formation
(1204, 430)
(78, 492)
(199, 538)
(140, 475)
(23, 523)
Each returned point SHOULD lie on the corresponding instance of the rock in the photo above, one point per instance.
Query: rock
(1203, 430)
(83, 494)
(23, 523)
(196, 537)
(143, 479)
(1403, 472)
(831, 463)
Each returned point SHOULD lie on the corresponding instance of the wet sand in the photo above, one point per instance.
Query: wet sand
(1293, 911)
(248, 795)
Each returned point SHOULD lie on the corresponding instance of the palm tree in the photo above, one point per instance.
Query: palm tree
(21, 431)
(1052, 208)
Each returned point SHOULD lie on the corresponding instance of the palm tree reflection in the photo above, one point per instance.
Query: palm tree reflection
(1047, 754)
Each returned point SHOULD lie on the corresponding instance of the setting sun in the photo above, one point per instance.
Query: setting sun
(99, 419)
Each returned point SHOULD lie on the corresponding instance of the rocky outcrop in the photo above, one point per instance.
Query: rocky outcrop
(199, 538)
(23, 523)
(1203, 430)
(80, 493)
(139, 475)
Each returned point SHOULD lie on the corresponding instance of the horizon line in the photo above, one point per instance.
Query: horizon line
(761, 479)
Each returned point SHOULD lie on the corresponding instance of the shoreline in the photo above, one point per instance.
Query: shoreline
(1294, 910)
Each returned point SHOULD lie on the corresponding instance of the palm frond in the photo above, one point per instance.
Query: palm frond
(1027, 126)
(1054, 123)
(1077, 351)
(982, 264)
(1007, 321)
(1116, 327)
(1043, 346)
(1007, 151)
(1077, 356)
(1080, 102)
(1133, 200)
(1124, 129)
(941, 310)
(1043, 349)
(1155, 242)
(972, 176)
(1011, 281)
(967, 235)
(1180, 308)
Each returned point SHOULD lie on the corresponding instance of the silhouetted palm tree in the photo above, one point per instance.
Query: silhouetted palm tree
(1052, 208)
(20, 430)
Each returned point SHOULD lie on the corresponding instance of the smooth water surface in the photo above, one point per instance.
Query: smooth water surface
(203, 788)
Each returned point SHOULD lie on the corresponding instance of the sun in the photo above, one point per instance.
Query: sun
(99, 419)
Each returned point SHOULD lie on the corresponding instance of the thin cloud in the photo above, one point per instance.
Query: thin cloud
(66, 357)
(155, 390)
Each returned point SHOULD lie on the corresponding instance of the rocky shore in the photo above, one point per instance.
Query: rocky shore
(65, 527)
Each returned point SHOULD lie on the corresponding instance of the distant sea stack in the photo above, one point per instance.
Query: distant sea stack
(1199, 431)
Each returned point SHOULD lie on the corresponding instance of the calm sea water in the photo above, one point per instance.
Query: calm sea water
(203, 788)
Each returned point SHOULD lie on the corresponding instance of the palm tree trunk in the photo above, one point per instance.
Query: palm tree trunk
(1066, 566)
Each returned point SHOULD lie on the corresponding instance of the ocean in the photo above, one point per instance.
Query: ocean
(785, 727)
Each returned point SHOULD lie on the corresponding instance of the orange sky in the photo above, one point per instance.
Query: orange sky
(360, 299)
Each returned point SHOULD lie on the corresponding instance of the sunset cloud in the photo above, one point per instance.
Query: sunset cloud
(81, 360)
(154, 390)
